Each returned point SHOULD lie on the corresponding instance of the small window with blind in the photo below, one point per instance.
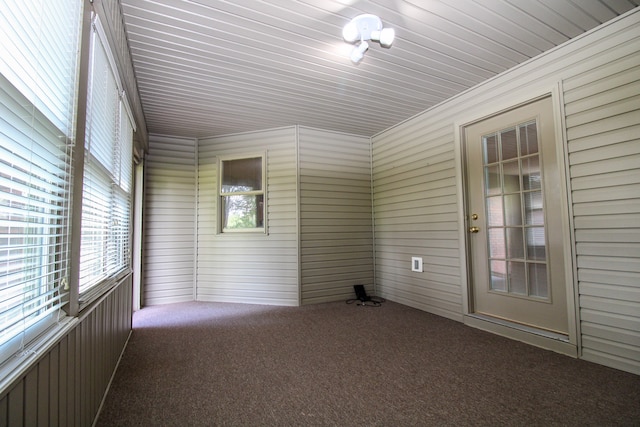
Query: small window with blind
(242, 195)
(38, 90)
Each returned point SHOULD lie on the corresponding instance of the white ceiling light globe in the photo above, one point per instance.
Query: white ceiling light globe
(386, 36)
(350, 32)
(358, 52)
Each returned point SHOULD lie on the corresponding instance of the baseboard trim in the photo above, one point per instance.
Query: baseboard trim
(543, 339)
(113, 374)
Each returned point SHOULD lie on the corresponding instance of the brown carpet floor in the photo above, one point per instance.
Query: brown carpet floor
(334, 364)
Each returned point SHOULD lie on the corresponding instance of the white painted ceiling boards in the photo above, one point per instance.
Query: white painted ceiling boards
(213, 67)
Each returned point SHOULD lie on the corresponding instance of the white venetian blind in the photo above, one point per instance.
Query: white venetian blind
(106, 202)
(38, 86)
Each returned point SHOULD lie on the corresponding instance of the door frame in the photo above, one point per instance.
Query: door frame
(570, 346)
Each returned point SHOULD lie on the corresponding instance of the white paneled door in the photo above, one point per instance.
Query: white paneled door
(515, 218)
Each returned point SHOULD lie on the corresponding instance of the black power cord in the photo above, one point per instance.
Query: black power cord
(369, 302)
(364, 299)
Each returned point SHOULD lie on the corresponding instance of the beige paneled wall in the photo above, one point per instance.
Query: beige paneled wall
(249, 267)
(66, 385)
(319, 221)
(415, 211)
(603, 130)
(169, 250)
(417, 182)
(336, 235)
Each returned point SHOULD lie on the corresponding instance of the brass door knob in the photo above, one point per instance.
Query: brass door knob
(474, 229)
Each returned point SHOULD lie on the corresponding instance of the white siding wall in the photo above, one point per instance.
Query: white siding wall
(416, 215)
(336, 236)
(250, 268)
(603, 132)
(169, 221)
(415, 193)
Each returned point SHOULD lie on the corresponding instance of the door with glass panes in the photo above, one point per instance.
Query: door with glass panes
(514, 218)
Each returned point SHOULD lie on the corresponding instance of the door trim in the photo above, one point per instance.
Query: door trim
(538, 338)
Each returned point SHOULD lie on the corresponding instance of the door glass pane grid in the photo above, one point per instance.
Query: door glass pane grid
(515, 211)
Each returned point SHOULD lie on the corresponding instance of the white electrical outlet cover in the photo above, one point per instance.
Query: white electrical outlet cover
(416, 264)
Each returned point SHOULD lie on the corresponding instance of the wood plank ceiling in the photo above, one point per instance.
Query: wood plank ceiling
(213, 67)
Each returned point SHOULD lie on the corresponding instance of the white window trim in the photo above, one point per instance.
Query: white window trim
(87, 296)
(219, 195)
(39, 117)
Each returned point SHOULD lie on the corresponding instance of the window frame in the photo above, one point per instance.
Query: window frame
(222, 195)
(40, 102)
(109, 176)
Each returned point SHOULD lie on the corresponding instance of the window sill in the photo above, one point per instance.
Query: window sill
(99, 291)
(16, 367)
(251, 231)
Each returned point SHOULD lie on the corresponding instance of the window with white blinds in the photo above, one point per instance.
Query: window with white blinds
(38, 89)
(108, 174)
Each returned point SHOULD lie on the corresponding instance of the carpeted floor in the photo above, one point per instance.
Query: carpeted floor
(215, 364)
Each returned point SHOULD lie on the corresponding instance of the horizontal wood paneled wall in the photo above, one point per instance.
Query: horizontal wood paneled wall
(415, 192)
(249, 267)
(603, 132)
(65, 387)
(336, 234)
(169, 248)
(415, 212)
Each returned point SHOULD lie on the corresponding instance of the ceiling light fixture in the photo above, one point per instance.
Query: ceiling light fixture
(366, 27)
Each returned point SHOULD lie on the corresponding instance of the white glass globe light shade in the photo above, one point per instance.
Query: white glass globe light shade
(358, 52)
(386, 36)
(350, 32)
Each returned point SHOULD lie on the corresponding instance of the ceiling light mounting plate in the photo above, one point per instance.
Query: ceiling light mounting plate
(361, 27)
